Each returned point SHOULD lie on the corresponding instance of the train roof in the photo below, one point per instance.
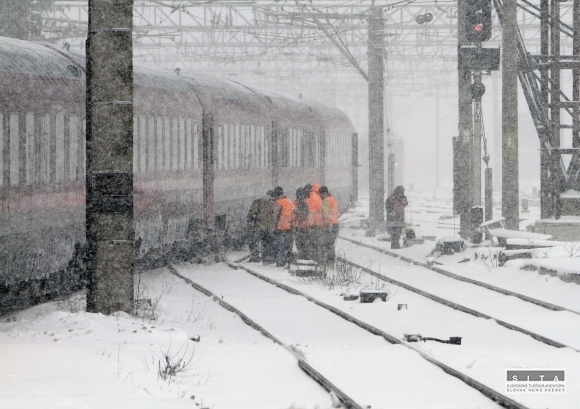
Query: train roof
(47, 60)
(28, 58)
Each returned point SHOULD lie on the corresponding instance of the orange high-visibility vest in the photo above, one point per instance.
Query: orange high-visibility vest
(286, 214)
(314, 210)
(330, 210)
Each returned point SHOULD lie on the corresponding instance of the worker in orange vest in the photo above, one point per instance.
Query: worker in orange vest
(314, 236)
(330, 214)
(283, 236)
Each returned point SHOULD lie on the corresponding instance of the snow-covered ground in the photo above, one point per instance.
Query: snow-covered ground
(55, 355)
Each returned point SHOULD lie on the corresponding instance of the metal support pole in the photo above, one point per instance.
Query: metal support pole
(576, 77)
(109, 152)
(555, 172)
(354, 145)
(437, 157)
(462, 177)
(545, 208)
(488, 194)
(476, 152)
(510, 176)
(376, 47)
(496, 132)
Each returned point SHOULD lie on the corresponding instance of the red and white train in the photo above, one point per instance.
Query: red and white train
(254, 140)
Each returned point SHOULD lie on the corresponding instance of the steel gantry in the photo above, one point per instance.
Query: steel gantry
(321, 45)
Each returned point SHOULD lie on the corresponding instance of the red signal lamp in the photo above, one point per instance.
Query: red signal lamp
(478, 28)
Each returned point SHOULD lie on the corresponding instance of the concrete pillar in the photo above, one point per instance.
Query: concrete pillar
(376, 48)
(109, 173)
(510, 179)
(463, 169)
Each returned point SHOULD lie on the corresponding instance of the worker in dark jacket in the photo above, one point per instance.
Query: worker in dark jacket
(261, 222)
(330, 214)
(395, 207)
(301, 224)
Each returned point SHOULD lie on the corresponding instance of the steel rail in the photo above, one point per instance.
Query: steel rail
(310, 371)
(458, 277)
(459, 307)
(490, 393)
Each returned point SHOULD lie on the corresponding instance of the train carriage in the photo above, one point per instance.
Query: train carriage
(204, 148)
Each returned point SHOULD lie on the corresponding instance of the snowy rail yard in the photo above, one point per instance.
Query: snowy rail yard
(56, 355)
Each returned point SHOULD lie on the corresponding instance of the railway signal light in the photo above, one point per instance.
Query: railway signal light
(478, 20)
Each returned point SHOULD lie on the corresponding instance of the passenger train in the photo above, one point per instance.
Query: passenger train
(247, 140)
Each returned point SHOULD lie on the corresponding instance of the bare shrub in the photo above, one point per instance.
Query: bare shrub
(196, 313)
(490, 261)
(147, 304)
(572, 249)
(341, 274)
(172, 364)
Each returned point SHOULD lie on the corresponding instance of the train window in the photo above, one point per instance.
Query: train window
(232, 149)
(304, 146)
(166, 144)
(250, 150)
(1, 149)
(45, 149)
(175, 148)
(252, 146)
(293, 147)
(237, 146)
(226, 146)
(142, 143)
(159, 143)
(266, 151)
(220, 147)
(182, 148)
(14, 150)
(73, 147)
(242, 146)
(258, 148)
(186, 125)
(59, 154)
(316, 152)
(248, 155)
(29, 148)
(196, 149)
(151, 144)
(262, 146)
(297, 148)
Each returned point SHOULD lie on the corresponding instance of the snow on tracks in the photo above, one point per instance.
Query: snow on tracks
(359, 363)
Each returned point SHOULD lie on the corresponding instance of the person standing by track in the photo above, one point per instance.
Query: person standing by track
(284, 236)
(330, 215)
(395, 207)
(261, 221)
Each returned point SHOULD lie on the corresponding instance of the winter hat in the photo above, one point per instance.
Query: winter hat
(278, 191)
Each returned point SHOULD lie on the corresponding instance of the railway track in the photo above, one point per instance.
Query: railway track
(552, 324)
(271, 289)
(449, 274)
